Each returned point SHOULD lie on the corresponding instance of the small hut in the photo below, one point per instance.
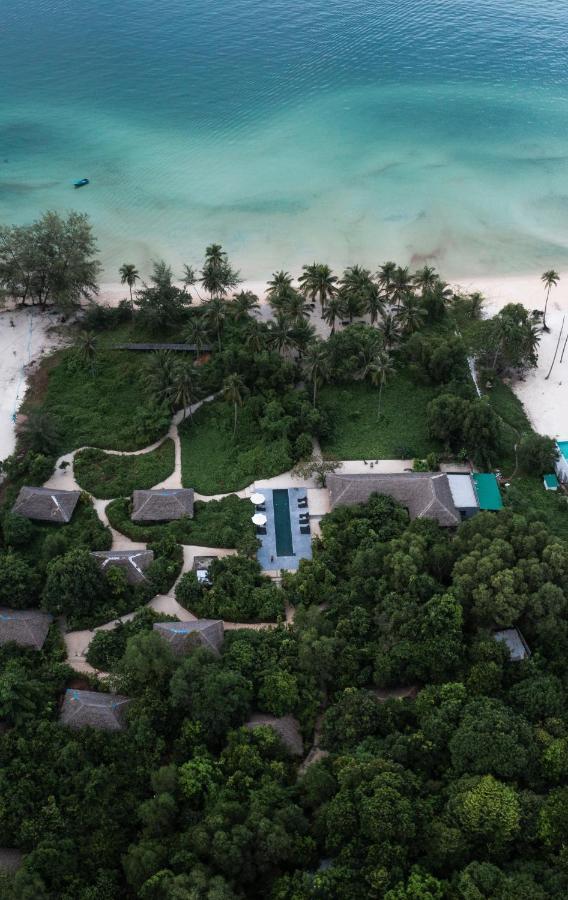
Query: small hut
(46, 504)
(25, 627)
(184, 636)
(105, 712)
(286, 727)
(162, 505)
(133, 562)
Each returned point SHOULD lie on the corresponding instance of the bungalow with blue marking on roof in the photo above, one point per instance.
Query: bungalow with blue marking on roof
(184, 636)
(105, 712)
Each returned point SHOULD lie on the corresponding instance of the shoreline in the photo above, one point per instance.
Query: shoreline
(545, 400)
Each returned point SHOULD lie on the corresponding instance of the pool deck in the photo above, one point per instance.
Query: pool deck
(302, 543)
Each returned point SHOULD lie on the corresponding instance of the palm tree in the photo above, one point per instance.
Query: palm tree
(390, 330)
(550, 279)
(215, 255)
(255, 336)
(333, 311)
(302, 334)
(411, 314)
(278, 290)
(189, 280)
(295, 306)
(380, 369)
(215, 313)
(197, 333)
(425, 278)
(355, 287)
(218, 276)
(318, 281)
(244, 304)
(280, 334)
(385, 276)
(159, 376)
(317, 365)
(88, 348)
(401, 284)
(375, 305)
(185, 386)
(233, 390)
(129, 275)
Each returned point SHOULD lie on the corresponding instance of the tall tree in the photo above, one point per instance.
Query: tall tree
(88, 349)
(402, 286)
(244, 305)
(390, 330)
(317, 365)
(411, 314)
(215, 313)
(550, 279)
(197, 332)
(385, 276)
(318, 281)
(185, 386)
(50, 262)
(129, 275)
(233, 393)
(218, 276)
(425, 278)
(379, 371)
(333, 311)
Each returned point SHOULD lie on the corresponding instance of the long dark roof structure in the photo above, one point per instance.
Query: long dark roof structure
(133, 562)
(103, 711)
(426, 495)
(182, 636)
(46, 504)
(162, 505)
(25, 627)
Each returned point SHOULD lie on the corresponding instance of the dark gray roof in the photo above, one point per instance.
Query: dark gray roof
(182, 348)
(202, 562)
(46, 504)
(515, 643)
(26, 627)
(286, 727)
(162, 505)
(396, 693)
(10, 860)
(182, 636)
(103, 711)
(133, 562)
(424, 494)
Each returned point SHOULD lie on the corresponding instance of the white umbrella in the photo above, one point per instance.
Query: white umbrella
(259, 519)
(257, 499)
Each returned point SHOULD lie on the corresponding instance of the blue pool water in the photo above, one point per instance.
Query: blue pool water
(563, 447)
(346, 130)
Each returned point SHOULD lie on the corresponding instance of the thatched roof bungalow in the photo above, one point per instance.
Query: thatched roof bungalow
(103, 711)
(426, 495)
(286, 727)
(25, 627)
(133, 562)
(162, 505)
(183, 636)
(46, 504)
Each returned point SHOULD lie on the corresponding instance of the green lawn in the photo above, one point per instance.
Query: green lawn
(105, 409)
(213, 462)
(106, 476)
(357, 432)
(217, 523)
(528, 496)
(514, 422)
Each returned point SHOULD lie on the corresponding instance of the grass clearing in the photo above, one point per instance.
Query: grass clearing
(402, 431)
(106, 476)
(217, 523)
(213, 462)
(526, 495)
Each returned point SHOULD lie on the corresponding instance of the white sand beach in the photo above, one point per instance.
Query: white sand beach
(21, 345)
(545, 400)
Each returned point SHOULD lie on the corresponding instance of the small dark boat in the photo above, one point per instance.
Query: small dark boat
(81, 182)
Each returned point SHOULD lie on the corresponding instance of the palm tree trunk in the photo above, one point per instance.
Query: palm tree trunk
(544, 325)
(315, 389)
(380, 398)
(235, 426)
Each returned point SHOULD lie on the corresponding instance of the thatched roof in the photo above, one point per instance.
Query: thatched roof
(286, 727)
(46, 504)
(10, 860)
(515, 643)
(426, 495)
(103, 711)
(133, 562)
(26, 627)
(182, 636)
(162, 505)
(409, 692)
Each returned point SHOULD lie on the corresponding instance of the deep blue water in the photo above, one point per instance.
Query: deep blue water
(347, 131)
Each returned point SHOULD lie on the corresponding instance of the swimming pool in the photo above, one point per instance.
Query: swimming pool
(282, 524)
(563, 447)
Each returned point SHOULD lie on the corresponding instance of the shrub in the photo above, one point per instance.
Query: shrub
(19, 583)
(107, 647)
(537, 454)
(238, 593)
(17, 530)
(107, 475)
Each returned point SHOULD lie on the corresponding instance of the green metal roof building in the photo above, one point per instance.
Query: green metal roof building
(487, 491)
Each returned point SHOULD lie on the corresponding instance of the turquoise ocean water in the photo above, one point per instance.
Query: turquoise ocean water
(341, 130)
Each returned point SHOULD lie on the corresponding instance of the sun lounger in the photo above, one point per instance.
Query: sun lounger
(305, 529)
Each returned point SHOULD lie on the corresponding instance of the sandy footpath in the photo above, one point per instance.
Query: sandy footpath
(25, 340)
